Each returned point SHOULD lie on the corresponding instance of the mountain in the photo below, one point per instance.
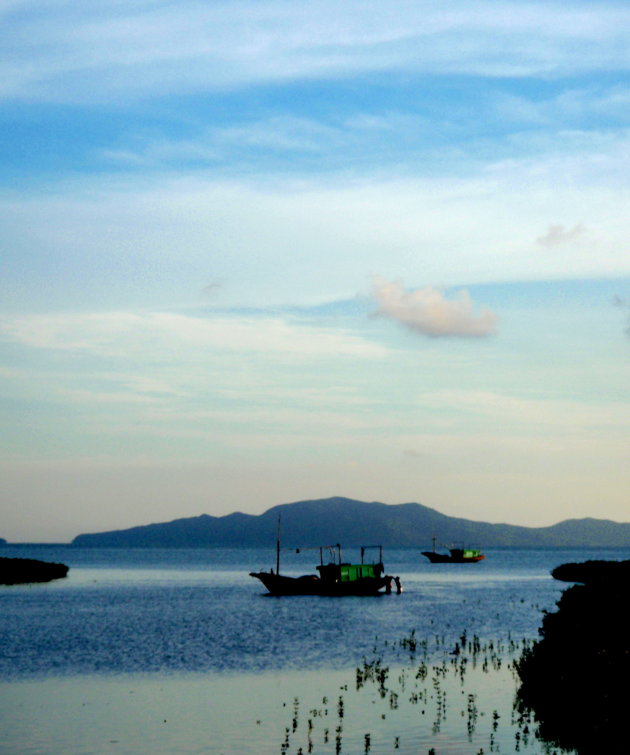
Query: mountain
(352, 523)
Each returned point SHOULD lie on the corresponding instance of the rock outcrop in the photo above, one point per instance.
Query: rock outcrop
(15, 571)
(575, 678)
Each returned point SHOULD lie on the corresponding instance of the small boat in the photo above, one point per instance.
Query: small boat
(337, 577)
(456, 555)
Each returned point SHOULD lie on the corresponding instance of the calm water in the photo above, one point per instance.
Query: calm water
(181, 651)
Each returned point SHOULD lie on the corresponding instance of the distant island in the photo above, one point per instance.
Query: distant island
(351, 523)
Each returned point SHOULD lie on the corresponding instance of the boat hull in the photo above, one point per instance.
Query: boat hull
(311, 584)
(447, 558)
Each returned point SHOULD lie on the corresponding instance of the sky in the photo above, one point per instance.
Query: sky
(258, 251)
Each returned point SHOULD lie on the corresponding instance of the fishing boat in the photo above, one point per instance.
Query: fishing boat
(335, 578)
(456, 555)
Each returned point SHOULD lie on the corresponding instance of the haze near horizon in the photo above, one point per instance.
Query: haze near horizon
(257, 253)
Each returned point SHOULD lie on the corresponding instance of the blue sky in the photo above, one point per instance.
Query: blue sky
(256, 252)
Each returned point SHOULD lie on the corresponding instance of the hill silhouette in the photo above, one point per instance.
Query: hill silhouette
(352, 522)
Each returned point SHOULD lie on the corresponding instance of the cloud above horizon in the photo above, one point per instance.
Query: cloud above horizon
(559, 234)
(120, 333)
(195, 198)
(428, 312)
(57, 54)
(624, 304)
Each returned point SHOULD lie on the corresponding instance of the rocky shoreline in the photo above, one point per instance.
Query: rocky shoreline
(575, 678)
(16, 571)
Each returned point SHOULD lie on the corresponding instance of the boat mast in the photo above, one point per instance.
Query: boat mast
(278, 547)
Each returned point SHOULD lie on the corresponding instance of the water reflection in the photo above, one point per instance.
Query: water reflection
(464, 704)
(459, 705)
(313, 675)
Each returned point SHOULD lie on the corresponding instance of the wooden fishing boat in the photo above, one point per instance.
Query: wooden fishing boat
(456, 555)
(337, 577)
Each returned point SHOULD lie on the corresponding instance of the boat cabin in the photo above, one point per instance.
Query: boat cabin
(349, 572)
(466, 552)
(346, 572)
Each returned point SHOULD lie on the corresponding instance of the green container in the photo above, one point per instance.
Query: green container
(353, 572)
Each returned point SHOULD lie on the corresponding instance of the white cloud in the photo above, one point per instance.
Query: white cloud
(428, 312)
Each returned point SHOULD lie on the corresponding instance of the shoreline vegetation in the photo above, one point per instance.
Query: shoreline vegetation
(434, 686)
(570, 686)
(19, 571)
(575, 678)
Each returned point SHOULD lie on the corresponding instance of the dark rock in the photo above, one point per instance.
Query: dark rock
(575, 678)
(589, 572)
(15, 571)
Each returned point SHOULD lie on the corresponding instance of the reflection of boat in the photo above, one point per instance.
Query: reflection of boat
(454, 556)
(335, 578)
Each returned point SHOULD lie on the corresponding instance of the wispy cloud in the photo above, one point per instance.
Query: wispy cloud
(557, 414)
(102, 50)
(155, 240)
(210, 290)
(429, 312)
(558, 234)
(624, 304)
(119, 333)
(563, 106)
(246, 139)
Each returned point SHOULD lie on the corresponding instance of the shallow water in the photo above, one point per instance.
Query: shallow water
(269, 713)
(181, 651)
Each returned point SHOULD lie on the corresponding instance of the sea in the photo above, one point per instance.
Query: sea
(182, 651)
